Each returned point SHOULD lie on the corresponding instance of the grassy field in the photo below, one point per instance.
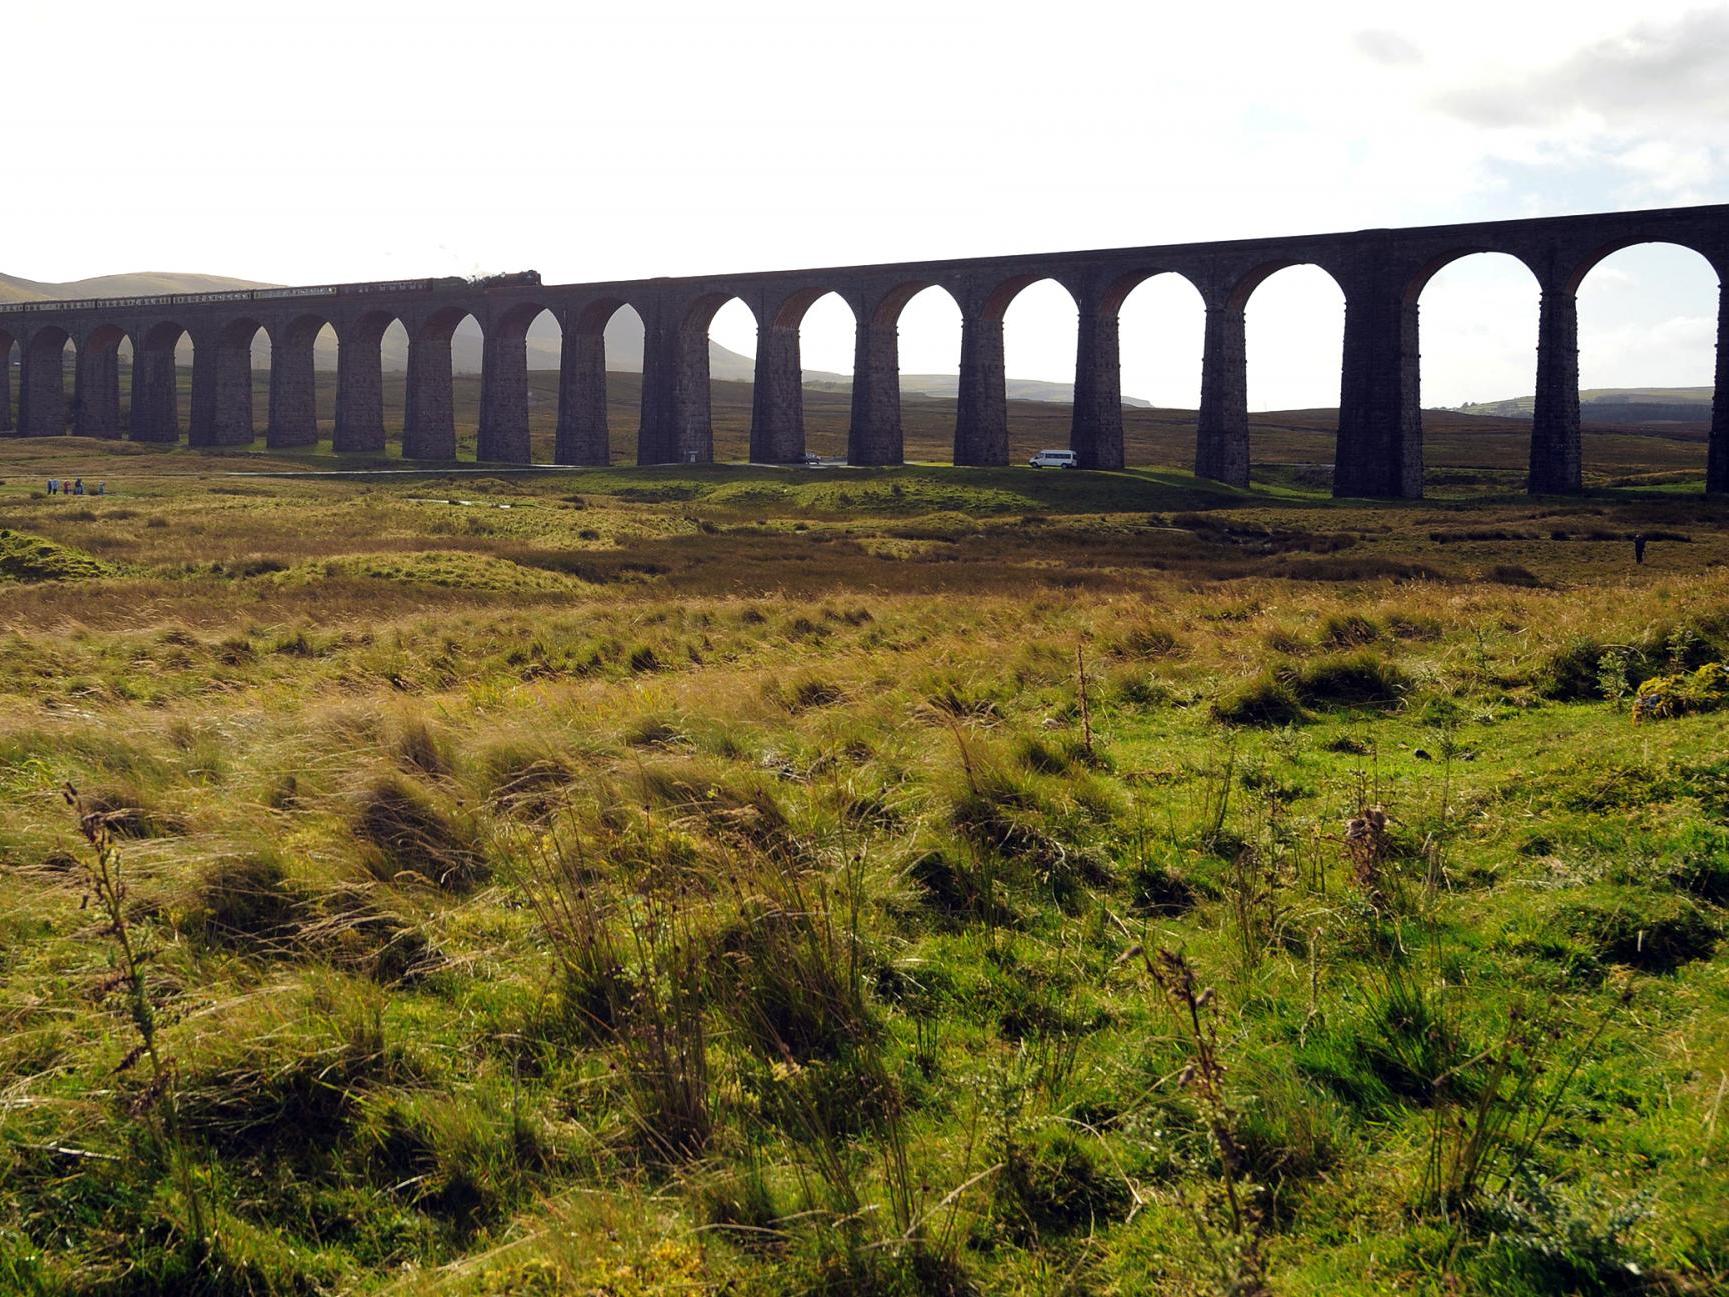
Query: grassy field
(1468, 452)
(757, 881)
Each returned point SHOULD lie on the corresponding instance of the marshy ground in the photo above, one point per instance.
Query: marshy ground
(863, 881)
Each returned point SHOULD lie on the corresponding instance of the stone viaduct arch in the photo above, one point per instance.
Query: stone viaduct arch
(293, 419)
(583, 435)
(42, 406)
(1378, 451)
(96, 382)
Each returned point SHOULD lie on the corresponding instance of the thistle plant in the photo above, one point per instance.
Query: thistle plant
(1243, 1269)
(106, 890)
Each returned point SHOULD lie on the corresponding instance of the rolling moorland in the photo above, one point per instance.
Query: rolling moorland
(753, 880)
(1464, 451)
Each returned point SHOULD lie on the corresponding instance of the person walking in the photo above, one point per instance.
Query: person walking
(53, 486)
(1639, 547)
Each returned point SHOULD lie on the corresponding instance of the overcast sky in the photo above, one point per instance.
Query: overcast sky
(313, 142)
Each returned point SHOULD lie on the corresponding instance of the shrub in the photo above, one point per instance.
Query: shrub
(246, 899)
(1056, 1187)
(1157, 890)
(421, 748)
(525, 777)
(253, 1099)
(1570, 674)
(1005, 814)
(1148, 640)
(792, 974)
(1704, 690)
(809, 692)
(410, 834)
(1050, 756)
(1266, 700)
(1698, 863)
(124, 812)
(1349, 630)
(1651, 930)
(1361, 679)
(1513, 574)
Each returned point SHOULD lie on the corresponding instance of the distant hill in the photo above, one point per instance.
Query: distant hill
(145, 284)
(1613, 405)
(623, 339)
(947, 387)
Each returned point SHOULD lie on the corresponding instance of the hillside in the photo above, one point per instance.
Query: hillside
(1613, 405)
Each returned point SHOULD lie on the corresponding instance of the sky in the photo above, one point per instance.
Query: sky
(319, 142)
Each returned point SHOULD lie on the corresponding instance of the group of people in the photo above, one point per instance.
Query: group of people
(74, 486)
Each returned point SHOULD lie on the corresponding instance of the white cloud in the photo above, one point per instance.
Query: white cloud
(1387, 47)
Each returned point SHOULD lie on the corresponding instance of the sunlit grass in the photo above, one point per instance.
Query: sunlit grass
(703, 881)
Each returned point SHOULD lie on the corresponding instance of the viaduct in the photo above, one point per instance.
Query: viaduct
(1379, 449)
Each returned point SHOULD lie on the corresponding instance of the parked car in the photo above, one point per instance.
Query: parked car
(1054, 459)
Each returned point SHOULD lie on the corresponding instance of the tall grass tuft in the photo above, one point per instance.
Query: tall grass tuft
(633, 971)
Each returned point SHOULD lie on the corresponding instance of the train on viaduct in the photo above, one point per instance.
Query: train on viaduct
(1378, 451)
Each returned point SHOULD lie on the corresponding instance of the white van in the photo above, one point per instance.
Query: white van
(1054, 459)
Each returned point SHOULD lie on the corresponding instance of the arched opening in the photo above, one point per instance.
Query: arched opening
(96, 395)
(1161, 326)
(44, 408)
(8, 382)
(780, 420)
(159, 381)
(828, 350)
(393, 376)
(1477, 335)
(1293, 349)
(327, 348)
(223, 384)
(1039, 364)
(729, 348)
(126, 358)
(434, 389)
(928, 320)
(601, 383)
(1647, 321)
(519, 384)
(545, 351)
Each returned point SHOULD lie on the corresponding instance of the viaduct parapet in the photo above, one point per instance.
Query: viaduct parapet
(1379, 449)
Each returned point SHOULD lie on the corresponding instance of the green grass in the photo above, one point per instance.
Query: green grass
(25, 558)
(719, 881)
